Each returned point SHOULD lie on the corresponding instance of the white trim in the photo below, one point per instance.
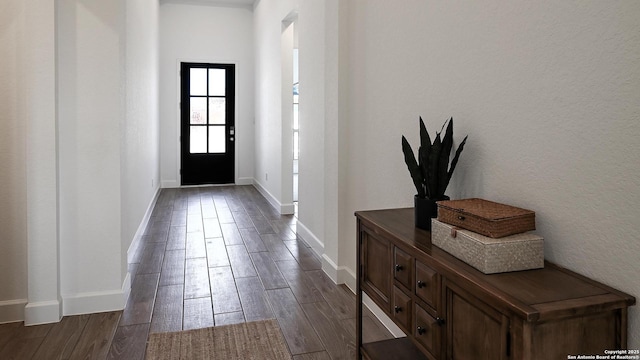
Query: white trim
(12, 310)
(344, 275)
(96, 302)
(136, 242)
(339, 274)
(349, 278)
(316, 244)
(244, 181)
(126, 288)
(43, 312)
(169, 184)
(285, 209)
(330, 268)
(384, 319)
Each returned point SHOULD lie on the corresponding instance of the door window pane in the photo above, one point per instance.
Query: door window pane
(198, 139)
(217, 110)
(198, 110)
(217, 143)
(198, 81)
(217, 82)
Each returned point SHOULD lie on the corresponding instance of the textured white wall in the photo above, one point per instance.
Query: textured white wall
(140, 150)
(13, 196)
(207, 34)
(268, 17)
(91, 88)
(311, 56)
(549, 94)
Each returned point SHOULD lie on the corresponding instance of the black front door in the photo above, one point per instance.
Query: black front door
(208, 123)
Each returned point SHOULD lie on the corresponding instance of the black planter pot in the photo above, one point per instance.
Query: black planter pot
(425, 210)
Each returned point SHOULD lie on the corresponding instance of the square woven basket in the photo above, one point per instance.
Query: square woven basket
(486, 217)
(517, 252)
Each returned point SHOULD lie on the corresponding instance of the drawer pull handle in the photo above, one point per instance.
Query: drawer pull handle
(421, 284)
(399, 267)
(397, 309)
(461, 217)
(421, 330)
(440, 321)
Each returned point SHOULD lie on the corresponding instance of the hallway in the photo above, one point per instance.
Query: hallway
(211, 256)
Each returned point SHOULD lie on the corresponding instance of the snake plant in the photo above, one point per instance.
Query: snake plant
(431, 172)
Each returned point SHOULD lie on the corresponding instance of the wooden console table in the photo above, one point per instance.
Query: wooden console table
(449, 310)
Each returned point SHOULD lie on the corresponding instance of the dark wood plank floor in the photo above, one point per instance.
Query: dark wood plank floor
(210, 256)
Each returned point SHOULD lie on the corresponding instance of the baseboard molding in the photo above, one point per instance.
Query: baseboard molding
(168, 184)
(348, 277)
(96, 302)
(137, 238)
(43, 312)
(382, 317)
(244, 181)
(316, 244)
(285, 209)
(344, 275)
(12, 310)
(330, 268)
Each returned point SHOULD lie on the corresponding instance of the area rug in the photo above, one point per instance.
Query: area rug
(254, 340)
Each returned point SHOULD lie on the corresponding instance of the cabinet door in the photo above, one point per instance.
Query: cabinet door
(376, 268)
(474, 330)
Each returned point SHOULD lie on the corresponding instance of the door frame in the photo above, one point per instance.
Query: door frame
(178, 122)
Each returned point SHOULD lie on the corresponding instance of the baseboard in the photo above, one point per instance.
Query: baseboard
(244, 181)
(344, 275)
(330, 268)
(137, 238)
(382, 317)
(285, 209)
(12, 310)
(96, 302)
(168, 184)
(348, 277)
(44, 312)
(316, 244)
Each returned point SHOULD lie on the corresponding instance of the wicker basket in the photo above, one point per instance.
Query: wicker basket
(486, 217)
(511, 253)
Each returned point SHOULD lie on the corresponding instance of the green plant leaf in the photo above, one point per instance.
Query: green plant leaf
(414, 169)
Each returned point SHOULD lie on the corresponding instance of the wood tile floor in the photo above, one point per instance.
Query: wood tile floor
(210, 256)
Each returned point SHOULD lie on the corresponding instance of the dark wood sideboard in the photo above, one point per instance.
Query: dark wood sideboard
(449, 310)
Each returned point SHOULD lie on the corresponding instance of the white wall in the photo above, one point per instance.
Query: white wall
(268, 26)
(311, 166)
(140, 149)
(91, 90)
(322, 36)
(202, 33)
(13, 192)
(72, 210)
(549, 94)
